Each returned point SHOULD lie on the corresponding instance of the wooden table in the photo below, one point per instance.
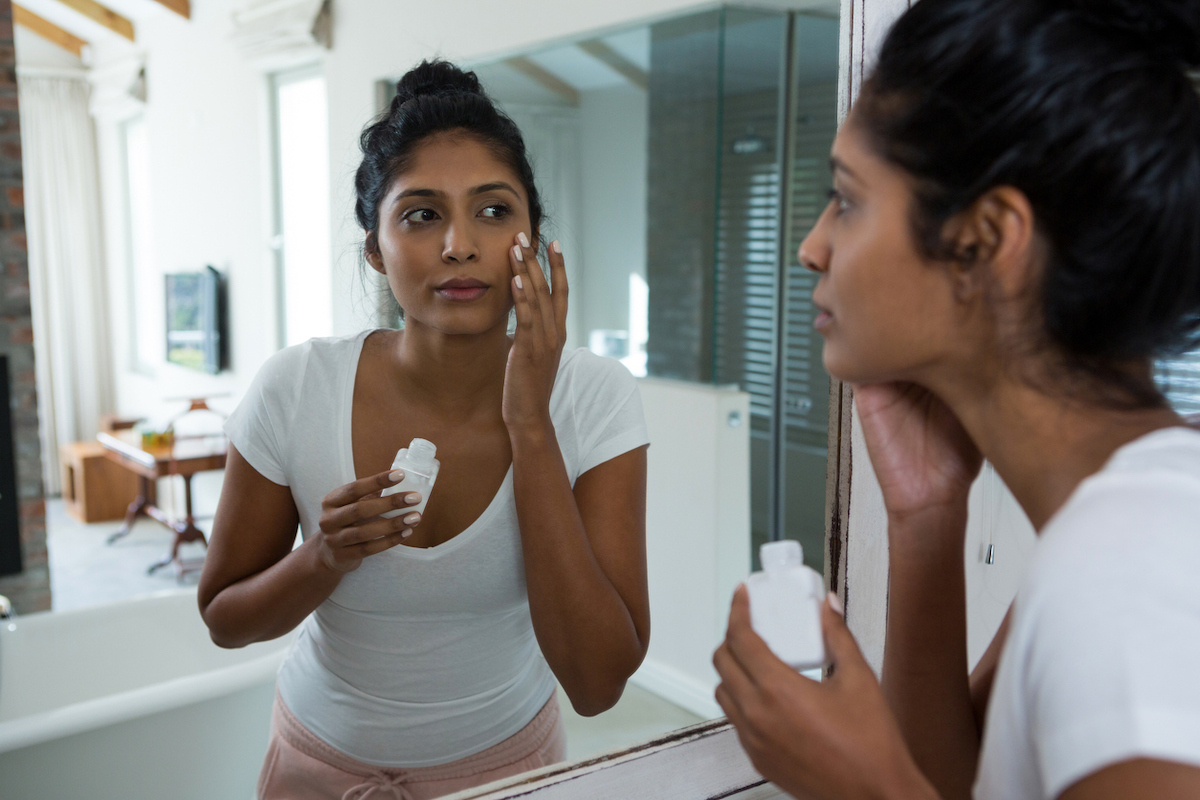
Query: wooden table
(185, 458)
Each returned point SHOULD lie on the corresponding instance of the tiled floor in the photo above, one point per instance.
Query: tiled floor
(84, 571)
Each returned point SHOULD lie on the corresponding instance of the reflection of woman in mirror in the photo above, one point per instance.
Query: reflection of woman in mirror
(1014, 237)
(429, 645)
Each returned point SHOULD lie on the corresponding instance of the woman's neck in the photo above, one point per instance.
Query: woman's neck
(453, 372)
(1044, 446)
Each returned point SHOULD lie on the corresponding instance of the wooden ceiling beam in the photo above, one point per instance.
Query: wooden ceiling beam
(104, 16)
(606, 55)
(48, 30)
(181, 7)
(547, 79)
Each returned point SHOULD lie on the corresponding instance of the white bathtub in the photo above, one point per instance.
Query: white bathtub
(131, 700)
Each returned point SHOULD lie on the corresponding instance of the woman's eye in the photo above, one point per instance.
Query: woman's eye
(420, 215)
(495, 211)
(839, 200)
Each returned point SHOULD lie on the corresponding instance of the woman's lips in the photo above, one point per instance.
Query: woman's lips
(461, 293)
(823, 320)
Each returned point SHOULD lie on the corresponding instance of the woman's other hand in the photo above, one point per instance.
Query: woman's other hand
(351, 525)
(922, 455)
(830, 739)
(541, 334)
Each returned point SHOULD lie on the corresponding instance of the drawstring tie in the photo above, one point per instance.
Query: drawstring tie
(379, 782)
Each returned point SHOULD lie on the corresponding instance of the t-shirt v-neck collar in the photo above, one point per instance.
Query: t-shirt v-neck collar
(347, 469)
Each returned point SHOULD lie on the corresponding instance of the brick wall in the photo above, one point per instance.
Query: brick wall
(29, 591)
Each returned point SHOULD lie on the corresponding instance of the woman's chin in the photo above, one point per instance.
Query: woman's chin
(854, 371)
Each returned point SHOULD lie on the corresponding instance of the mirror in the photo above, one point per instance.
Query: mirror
(682, 161)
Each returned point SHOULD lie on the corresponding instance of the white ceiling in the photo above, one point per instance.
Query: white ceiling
(753, 44)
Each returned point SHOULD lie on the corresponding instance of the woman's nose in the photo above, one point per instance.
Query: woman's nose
(814, 250)
(459, 246)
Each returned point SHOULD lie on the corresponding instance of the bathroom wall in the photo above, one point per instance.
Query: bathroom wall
(614, 126)
(697, 532)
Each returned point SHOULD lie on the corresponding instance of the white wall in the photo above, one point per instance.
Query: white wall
(35, 52)
(615, 125)
(206, 119)
(697, 532)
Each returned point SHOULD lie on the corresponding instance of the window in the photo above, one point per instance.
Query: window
(144, 278)
(301, 235)
(1179, 379)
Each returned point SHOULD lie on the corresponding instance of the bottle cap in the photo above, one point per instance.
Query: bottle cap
(781, 555)
(421, 452)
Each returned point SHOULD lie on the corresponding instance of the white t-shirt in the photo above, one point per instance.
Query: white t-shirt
(1102, 662)
(420, 656)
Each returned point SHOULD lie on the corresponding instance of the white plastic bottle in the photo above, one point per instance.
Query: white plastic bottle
(420, 471)
(785, 605)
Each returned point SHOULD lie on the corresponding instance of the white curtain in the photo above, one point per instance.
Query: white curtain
(66, 267)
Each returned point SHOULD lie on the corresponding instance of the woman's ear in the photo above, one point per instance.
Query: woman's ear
(996, 232)
(371, 252)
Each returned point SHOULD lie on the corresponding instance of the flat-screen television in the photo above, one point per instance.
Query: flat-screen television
(197, 327)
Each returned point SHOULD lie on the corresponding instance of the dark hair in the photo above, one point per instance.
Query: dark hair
(434, 97)
(1086, 107)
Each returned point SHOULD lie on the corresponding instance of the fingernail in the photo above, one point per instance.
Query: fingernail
(412, 518)
(407, 532)
(518, 279)
(396, 476)
(555, 246)
(517, 252)
(412, 498)
(835, 603)
(523, 239)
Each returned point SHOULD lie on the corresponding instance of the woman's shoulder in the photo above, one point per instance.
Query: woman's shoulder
(1138, 516)
(586, 372)
(289, 367)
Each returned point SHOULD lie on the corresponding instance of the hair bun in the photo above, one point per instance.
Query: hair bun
(435, 78)
(1168, 27)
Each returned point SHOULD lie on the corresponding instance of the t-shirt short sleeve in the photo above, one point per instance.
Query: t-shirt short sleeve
(609, 420)
(258, 427)
(1112, 666)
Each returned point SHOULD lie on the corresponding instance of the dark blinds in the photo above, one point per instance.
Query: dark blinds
(747, 250)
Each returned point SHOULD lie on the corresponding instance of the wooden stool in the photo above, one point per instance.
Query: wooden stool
(94, 489)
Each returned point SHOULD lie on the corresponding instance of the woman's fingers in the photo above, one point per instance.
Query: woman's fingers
(363, 487)
(537, 287)
(841, 648)
(524, 294)
(380, 544)
(738, 686)
(370, 531)
(558, 279)
(761, 665)
(365, 509)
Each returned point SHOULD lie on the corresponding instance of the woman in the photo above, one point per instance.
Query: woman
(1013, 238)
(430, 643)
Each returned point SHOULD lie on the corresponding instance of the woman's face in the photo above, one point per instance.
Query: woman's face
(886, 312)
(445, 229)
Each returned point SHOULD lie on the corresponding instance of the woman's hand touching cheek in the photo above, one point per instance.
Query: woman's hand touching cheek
(538, 343)
(924, 459)
(834, 739)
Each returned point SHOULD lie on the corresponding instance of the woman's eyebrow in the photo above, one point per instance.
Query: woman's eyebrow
(837, 165)
(491, 187)
(419, 193)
